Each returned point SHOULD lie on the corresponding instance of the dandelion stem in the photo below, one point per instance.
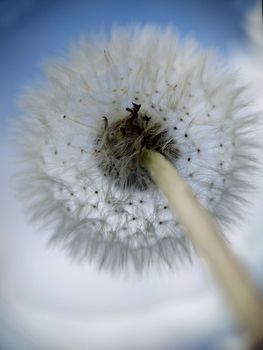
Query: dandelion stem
(205, 235)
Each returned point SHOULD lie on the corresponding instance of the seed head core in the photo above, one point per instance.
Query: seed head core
(119, 147)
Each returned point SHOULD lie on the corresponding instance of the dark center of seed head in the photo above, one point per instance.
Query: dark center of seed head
(120, 144)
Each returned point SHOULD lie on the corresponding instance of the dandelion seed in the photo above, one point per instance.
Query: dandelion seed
(119, 195)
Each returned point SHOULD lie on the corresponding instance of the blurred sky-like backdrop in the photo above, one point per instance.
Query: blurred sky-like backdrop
(32, 30)
(36, 282)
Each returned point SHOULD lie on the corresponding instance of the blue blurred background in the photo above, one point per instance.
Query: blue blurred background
(34, 30)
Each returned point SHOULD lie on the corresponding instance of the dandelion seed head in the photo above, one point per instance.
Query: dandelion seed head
(82, 133)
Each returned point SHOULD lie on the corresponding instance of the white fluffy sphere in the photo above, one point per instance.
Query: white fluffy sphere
(185, 90)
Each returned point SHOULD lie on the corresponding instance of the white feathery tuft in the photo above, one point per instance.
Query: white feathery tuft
(187, 91)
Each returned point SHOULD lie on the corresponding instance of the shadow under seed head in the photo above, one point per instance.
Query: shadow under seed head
(122, 142)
